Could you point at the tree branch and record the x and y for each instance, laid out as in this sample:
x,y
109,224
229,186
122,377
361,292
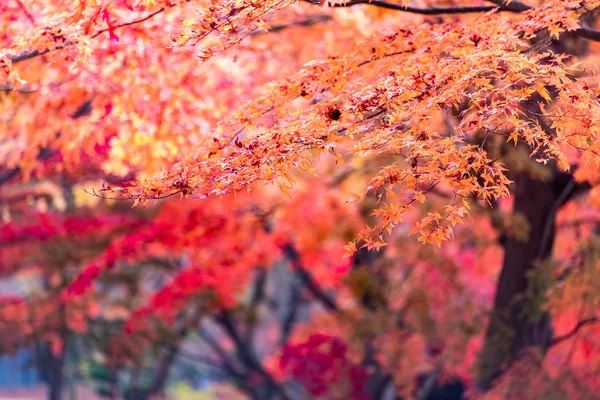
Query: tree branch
x,y
517,6
307,279
217,349
575,223
429,383
246,354
165,363
417,10
574,331
381,389
32,54
588,33
26,12
291,317
137,21
499,5
313,20
258,297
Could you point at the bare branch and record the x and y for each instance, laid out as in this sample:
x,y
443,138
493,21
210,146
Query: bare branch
x,y
247,355
137,21
499,5
26,12
416,10
574,331
313,20
588,33
308,281
287,323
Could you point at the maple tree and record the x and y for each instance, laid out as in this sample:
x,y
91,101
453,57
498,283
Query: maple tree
x,y
349,199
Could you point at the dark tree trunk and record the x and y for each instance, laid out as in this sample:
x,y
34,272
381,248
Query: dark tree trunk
x,y
51,364
517,322
56,377
50,367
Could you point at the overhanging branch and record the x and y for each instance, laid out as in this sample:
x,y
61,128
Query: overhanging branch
x,y
574,331
499,5
517,6
418,10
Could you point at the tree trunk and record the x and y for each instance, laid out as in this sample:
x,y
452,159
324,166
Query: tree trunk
x,y
517,321
56,377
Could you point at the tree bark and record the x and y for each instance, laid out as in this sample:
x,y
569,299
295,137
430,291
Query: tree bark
x,y
56,377
517,322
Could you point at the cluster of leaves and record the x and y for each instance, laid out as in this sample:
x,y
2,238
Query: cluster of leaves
x,y
491,79
320,365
